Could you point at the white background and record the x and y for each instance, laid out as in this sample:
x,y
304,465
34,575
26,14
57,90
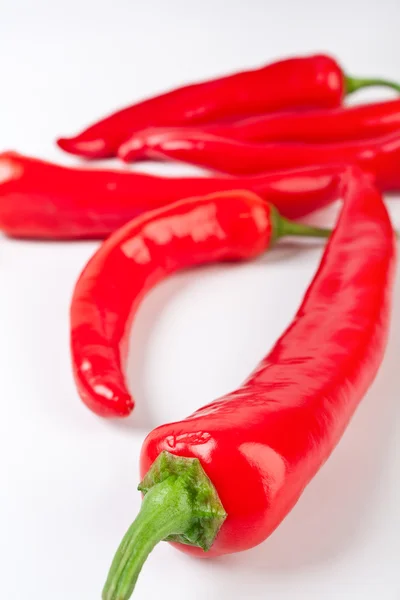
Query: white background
x,y
68,479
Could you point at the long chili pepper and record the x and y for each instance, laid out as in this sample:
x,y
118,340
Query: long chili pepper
x,y
316,126
302,82
224,226
46,201
379,156
223,479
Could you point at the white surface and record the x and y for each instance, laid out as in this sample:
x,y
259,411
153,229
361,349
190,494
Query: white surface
x,y
69,478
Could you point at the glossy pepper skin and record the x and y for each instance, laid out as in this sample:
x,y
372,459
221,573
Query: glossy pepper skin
x,y
225,477
224,226
302,82
278,429
322,126
379,156
41,200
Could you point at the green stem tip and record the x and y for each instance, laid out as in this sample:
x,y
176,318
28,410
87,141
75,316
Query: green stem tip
x,y
352,84
180,504
282,227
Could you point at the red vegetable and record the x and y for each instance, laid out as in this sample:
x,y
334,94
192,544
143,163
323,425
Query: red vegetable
x,y
315,126
304,82
224,478
224,226
47,201
379,156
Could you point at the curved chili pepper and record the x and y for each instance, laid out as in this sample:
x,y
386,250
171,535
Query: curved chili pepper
x,y
379,156
361,122
303,82
224,478
46,201
224,226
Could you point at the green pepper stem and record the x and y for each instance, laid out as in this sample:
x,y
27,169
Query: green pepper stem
x,y
165,511
300,229
282,227
180,504
352,84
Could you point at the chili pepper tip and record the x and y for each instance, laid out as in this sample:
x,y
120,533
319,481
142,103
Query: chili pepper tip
x,y
94,148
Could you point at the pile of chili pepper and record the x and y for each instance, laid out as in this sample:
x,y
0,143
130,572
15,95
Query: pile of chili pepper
x,y
280,426
287,146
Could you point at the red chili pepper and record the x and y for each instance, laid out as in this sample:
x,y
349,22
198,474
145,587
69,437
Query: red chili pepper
x,y
379,156
316,126
224,226
224,478
303,82
46,201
